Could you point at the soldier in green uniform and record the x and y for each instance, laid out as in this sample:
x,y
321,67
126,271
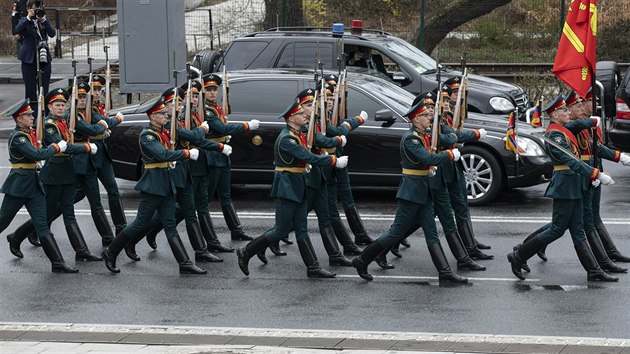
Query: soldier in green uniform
x,y
567,189
414,197
459,198
185,138
291,156
219,179
344,191
23,187
157,191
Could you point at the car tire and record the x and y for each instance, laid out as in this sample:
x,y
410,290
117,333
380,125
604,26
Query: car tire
x,y
484,176
609,75
206,61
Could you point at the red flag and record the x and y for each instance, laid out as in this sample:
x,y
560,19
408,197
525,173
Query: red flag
x,y
575,59
537,115
510,135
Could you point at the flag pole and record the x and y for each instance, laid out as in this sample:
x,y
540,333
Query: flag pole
x,y
594,129
516,156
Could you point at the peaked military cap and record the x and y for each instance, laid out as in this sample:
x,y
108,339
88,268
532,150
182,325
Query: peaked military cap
x,y
195,87
21,108
57,95
82,88
306,96
331,79
329,87
169,94
292,109
447,91
427,97
555,104
416,109
454,82
154,107
211,80
571,98
98,81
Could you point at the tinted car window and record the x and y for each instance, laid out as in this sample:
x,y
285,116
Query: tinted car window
x,y
261,96
358,101
304,55
243,53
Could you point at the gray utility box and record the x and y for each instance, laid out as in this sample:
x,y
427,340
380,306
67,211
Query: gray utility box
x,y
149,32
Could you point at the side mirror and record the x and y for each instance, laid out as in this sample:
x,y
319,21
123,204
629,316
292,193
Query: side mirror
x,y
384,115
399,76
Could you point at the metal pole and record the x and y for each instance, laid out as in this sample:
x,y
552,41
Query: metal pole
x,y
562,11
211,33
421,29
58,35
283,10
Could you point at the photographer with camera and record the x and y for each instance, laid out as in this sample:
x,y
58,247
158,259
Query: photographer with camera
x,y
34,30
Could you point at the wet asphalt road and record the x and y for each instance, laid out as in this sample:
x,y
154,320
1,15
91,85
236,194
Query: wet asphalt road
x,y
556,300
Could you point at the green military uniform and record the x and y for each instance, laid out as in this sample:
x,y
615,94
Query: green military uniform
x,y
157,193
23,187
414,200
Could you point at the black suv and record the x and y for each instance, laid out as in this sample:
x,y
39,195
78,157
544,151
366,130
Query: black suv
x,y
619,133
386,56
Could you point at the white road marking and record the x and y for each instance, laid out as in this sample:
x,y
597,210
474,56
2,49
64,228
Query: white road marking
x,y
410,277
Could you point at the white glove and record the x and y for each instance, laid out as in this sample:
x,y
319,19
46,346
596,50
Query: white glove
x,y
596,119
227,150
342,162
205,126
93,148
194,154
344,140
596,183
308,168
482,133
254,124
363,115
62,145
107,134
624,159
605,179
120,116
456,154
172,164
433,171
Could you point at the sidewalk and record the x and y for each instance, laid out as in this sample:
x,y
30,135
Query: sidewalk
x,y
87,338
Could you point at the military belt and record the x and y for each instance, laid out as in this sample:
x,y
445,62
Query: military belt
x,y
291,169
61,154
98,137
586,157
330,150
561,168
221,139
24,165
408,171
156,165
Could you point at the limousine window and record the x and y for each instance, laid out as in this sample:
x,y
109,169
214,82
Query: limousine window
x,y
261,96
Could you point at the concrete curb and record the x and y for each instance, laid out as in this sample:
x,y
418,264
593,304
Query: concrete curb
x,y
315,339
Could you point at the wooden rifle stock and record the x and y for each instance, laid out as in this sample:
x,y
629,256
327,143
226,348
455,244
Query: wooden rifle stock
x,y
108,95
174,119
39,126
335,108
310,137
187,108
323,120
88,102
225,99
457,114
73,112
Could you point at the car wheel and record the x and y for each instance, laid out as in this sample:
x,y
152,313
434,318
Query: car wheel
x,y
484,177
609,75
206,60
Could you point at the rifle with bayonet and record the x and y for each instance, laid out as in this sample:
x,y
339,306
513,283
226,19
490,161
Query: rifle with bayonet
x,y
39,125
335,109
174,119
323,120
108,83
88,101
343,99
187,99
225,99
310,135
73,112
435,128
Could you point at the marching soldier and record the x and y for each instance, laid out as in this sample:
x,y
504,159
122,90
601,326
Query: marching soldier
x,y
157,191
23,187
567,189
291,156
183,182
219,179
414,197
459,199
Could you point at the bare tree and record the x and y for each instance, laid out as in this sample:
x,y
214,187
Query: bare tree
x,y
291,13
454,14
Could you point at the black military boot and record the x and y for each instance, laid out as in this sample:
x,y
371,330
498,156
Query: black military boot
x,y
335,258
405,243
234,224
78,244
21,233
541,252
381,260
609,245
185,265
33,240
130,249
469,242
118,214
313,269
459,251
593,271
210,235
344,238
395,250
102,225
151,235
113,250
445,274
287,240
52,251
244,254
368,255
274,247
480,245
522,254
356,225
600,254
199,244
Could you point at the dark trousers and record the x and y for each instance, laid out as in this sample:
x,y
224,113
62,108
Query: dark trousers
x,y
87,186
444,210
317,199
35,206
60,200
344,191
458,194
219,181
29,75
107,177
150,204
407,216
185,204
290,216
567,214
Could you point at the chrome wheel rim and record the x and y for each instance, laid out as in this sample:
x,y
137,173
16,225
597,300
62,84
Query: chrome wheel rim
x,y
478,174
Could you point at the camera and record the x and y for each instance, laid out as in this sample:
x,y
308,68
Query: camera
x,y
43,52
39,9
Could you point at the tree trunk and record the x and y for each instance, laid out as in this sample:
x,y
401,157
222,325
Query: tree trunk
x,y
291,15
453,15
